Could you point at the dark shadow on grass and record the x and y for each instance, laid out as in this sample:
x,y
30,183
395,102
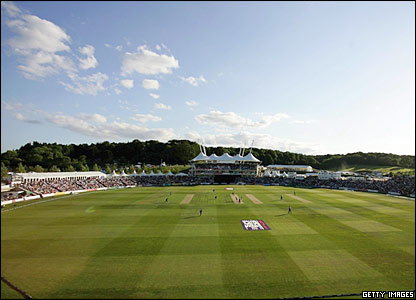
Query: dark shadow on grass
x,y
191,217
281,215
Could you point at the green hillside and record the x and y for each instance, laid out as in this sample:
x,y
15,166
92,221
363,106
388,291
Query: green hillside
x,y
386,170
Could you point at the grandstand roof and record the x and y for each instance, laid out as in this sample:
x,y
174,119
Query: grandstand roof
x,y
200,156
225,158
250,157
289,166
181,174
49,175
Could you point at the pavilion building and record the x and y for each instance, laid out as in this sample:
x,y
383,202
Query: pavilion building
x,y
225,168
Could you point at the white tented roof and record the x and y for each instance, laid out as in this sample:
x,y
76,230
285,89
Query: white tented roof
x,y
114,174
200,156
226,158
275,173
293,167
250,157
134,173
181,174
213,156
170,173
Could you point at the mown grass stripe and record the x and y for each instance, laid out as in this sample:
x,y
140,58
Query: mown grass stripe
x,y
131,233
298,198
254,199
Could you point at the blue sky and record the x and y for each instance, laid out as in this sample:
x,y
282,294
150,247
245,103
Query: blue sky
x,y
305,77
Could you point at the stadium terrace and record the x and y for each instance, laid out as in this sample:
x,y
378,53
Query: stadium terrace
x,y
225,168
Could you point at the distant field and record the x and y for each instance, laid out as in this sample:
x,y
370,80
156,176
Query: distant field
x,y
384,169
133,244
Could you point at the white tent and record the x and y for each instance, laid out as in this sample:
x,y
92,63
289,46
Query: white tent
x,y
181,174
114,174
250,157
238,157
123,173
213,156
151,173
134,173
170,173
143,173
200,156
226,158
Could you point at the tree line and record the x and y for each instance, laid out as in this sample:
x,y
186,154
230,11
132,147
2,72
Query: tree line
x,y
53,157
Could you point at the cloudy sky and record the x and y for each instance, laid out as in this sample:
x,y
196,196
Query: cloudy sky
x,y
306,77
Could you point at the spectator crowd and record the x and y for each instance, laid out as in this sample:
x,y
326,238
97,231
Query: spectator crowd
x,y
404,185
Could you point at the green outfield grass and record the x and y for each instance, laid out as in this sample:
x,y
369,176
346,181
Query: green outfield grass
x,y
132,244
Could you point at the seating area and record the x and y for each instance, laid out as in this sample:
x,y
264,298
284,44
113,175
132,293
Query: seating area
x,y
403,185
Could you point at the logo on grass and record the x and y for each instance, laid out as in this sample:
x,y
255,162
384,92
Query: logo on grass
x,y
254,225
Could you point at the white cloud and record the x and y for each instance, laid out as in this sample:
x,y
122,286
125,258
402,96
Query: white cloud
x,y
118,48
233,120
94,117
158,48
10,8
127,83
265,141
150,84
114,130
154,96
20,117
300,122
147,62
191,103
89,85
164,47
12,106
117,91
90,61
41,64
145,118
193,80
37,42
162,106
38,34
